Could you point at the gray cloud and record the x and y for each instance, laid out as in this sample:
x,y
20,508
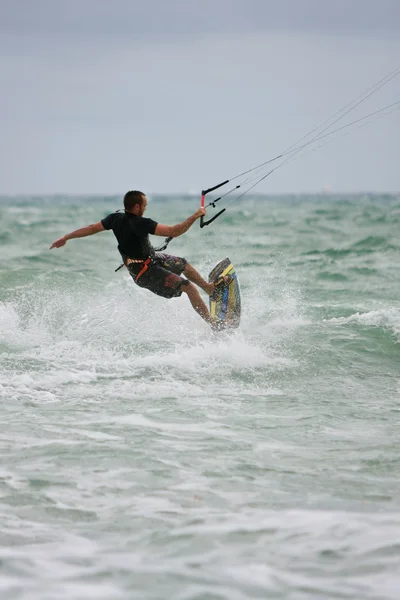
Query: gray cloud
x,y
166,18
173,95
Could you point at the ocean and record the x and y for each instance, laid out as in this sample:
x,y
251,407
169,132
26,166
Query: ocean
x,y
144,458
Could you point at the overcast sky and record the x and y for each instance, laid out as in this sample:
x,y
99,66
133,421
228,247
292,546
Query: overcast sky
x,y
175,95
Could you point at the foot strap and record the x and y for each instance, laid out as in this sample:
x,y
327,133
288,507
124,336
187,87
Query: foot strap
x,y
223,281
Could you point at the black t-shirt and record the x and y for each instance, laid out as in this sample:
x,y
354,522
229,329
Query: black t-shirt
x,y
132,233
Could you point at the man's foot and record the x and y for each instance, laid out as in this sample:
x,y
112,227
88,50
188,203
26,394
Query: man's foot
x,y
220,284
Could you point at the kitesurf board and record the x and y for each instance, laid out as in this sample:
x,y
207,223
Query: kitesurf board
x,y
225,302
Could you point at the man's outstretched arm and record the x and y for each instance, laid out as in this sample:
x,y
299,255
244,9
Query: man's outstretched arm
x,y
177,230
78,233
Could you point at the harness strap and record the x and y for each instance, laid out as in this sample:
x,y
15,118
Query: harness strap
x,y
144,268
134,260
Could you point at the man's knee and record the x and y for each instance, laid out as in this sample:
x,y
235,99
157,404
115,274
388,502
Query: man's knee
x,y
187,287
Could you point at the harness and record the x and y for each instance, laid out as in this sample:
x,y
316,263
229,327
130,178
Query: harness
x,y
129,261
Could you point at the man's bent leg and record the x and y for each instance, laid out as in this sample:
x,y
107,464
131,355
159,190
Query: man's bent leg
x,y
196,301
196,278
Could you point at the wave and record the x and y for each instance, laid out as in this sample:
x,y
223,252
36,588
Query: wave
x,y
69,332
387,319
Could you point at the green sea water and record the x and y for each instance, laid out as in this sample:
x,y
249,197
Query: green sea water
x,y
142,457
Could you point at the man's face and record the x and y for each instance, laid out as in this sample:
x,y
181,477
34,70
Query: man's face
x,y
139,209
143,206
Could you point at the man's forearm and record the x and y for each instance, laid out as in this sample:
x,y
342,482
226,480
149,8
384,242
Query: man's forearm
x,y
79,233
181,228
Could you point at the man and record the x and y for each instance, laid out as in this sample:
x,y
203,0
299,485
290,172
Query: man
x,y
157,272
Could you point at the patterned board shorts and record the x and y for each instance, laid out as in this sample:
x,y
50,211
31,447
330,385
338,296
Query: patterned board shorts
x,y
162,276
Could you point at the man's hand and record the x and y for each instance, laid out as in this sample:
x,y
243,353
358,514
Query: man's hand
x,y
58,243
200,212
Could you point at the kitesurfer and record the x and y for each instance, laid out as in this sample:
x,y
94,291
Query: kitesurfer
x,y
158,272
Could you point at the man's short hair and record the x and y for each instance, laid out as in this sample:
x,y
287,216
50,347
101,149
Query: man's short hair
x,y
132,198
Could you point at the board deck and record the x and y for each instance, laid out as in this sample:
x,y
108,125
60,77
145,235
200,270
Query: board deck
x,y
225,303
